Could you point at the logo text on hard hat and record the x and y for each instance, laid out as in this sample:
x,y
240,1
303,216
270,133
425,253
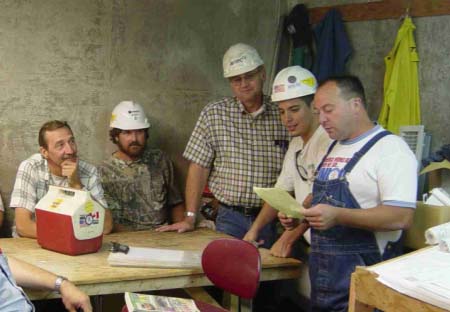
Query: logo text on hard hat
x,y
113,117
239,60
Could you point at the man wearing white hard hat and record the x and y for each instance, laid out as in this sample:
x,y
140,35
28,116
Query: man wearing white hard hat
x,y
238,143
364,194
56,164
293,90
138,181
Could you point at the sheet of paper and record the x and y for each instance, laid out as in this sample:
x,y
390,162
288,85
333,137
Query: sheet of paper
x,y
424,275
280,200
445,164
155,257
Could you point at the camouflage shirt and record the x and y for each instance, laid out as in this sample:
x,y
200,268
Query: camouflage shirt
x,y
140,193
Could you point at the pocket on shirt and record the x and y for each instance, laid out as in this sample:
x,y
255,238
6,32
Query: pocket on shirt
x,y
157,187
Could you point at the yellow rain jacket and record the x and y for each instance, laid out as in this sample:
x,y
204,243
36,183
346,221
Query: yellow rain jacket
x,y
401,105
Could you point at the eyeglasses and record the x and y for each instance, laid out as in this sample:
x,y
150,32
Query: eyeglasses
x,y
250,76
308,173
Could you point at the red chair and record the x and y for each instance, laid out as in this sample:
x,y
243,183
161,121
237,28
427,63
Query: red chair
x,y
233,265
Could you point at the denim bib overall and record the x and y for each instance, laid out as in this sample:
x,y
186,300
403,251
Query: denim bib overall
x,y
335,252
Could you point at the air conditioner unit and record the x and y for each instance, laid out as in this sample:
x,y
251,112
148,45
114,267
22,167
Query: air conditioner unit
x,y
420,144
415,138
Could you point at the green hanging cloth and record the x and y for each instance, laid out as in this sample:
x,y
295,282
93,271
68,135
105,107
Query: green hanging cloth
x,y
401,104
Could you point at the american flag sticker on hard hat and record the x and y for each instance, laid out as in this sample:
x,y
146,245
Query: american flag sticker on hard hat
x,y
278,88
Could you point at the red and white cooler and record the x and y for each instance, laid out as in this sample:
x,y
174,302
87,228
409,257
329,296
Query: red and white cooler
x,y
69,221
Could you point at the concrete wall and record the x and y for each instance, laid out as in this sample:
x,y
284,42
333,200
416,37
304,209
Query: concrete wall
x,y
371,42
75,60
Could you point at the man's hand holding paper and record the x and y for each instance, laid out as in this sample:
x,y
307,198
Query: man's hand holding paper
x,y
281,200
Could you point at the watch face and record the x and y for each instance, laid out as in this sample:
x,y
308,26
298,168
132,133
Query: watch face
x,y
58,282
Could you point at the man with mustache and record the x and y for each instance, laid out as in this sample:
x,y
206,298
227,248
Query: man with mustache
x,y
56,164
237,143
364,194
138,181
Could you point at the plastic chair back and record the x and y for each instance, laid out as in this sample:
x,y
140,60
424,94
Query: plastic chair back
x,y
233,265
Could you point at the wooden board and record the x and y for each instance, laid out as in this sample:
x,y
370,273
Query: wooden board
x,y
93,274
387,9
367,293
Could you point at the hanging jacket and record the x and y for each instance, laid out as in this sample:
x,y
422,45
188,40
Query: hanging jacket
x,y
401,104
333,46
298,27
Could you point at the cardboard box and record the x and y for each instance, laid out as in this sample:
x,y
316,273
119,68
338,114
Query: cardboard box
x,y
426,216
69,221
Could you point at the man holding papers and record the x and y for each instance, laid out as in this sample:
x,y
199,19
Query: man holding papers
x,y
293,89
364,194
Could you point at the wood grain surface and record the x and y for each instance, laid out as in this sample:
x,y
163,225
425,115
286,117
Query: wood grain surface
x,y
92,273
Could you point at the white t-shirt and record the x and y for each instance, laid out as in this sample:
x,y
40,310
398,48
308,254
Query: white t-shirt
x,y
386,174
309,157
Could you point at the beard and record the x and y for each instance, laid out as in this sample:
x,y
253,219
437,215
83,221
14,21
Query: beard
x,y
134,149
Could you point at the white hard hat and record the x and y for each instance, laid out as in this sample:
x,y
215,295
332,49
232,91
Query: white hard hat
x,y
239,59
128,115
293,82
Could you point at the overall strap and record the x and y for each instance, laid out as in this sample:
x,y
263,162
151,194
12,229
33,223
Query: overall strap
x,y
359,154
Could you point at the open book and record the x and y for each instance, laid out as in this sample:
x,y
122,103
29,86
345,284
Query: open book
x,y
149,303
280,200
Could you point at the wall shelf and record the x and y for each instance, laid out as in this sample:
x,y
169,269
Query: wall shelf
x,y
384,9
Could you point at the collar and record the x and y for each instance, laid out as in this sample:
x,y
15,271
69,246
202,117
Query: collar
x,y
263,107
128,163
297,142
366,134
46,169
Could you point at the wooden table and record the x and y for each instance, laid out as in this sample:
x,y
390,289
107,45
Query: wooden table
x,y
367,293
94,276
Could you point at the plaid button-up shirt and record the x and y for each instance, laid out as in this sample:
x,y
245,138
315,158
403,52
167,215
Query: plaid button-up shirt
x,y
241,150
33,179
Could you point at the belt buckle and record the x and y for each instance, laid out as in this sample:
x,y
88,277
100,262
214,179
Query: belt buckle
x,y
248,212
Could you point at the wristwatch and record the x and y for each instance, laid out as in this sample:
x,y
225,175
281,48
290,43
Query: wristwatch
x,y
58,282
190,214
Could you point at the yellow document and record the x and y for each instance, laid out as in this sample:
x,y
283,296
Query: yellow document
x,y
445,164
280,200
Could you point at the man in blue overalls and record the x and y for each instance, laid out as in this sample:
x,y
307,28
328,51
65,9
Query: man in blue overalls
x,y
364,194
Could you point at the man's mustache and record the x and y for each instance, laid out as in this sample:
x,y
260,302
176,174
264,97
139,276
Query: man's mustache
x,y
71,157
135,144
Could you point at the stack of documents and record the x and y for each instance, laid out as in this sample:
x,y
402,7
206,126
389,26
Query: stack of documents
x,y
424,275
154,257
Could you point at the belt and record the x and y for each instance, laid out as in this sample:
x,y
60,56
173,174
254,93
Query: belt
x,y
246,211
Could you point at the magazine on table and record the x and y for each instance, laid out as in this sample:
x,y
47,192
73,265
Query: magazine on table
x,y
150,303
